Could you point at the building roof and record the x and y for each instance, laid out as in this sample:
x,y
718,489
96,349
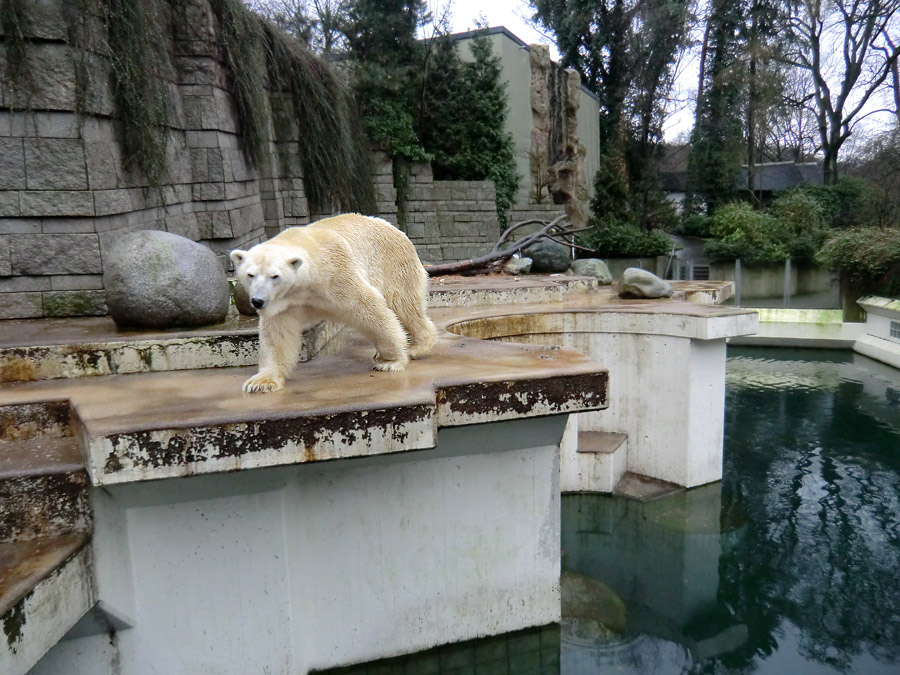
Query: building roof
x,y
767,177
775,176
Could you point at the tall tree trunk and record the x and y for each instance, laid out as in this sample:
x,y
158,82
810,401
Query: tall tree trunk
x,y
751,127
704,50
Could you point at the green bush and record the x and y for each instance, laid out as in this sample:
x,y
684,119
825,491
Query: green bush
x,y
801,222
694,225
793,227
844,204
739,231
612,238
866,257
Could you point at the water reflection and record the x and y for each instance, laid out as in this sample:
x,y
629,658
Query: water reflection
x,y
661,558
788,565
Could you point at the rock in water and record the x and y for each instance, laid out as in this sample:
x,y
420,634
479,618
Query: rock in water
x,y
592,267
548,257
157,279
638,283
517,266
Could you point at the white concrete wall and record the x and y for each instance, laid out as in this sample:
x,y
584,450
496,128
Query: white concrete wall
x,y
281,570
666,384
668,395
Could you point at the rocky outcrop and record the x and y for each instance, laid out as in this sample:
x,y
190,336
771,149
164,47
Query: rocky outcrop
x,y
557,155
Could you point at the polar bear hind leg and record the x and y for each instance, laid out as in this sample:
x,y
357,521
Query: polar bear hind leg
x,y
378,323
420,329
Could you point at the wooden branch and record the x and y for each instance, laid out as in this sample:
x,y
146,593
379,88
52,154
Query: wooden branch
x,y
496,255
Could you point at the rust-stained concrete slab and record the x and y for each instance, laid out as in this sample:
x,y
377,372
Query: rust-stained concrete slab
x,y
156,425
46,586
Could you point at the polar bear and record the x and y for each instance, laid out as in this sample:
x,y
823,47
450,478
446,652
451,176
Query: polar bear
x,y
351,269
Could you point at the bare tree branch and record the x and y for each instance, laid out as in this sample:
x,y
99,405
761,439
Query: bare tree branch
x,y
549,230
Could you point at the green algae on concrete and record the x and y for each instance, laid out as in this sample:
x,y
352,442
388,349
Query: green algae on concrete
x,y
781,315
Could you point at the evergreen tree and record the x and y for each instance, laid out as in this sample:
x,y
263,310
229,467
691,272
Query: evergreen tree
x,y
716,141
381,38
463,118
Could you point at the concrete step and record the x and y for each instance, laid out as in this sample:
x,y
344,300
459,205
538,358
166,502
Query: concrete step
x,y
45,588
45,526
43,489
601,458
643,488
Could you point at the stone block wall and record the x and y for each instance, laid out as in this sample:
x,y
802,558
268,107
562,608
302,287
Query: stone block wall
x,y
66,189
449,220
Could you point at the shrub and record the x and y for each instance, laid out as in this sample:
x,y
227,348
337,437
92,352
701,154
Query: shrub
x,y
694,225
741,232
793,228
866,257
800,223
610,238
844,204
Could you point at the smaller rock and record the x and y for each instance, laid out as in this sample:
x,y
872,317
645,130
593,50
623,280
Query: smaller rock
x,y
548,257
638,283
517,266
592,267
242,299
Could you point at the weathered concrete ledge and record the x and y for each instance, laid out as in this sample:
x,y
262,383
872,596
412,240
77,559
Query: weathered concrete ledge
x,y
162,425
46,349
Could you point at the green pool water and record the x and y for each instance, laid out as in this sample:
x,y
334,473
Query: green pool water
x,y
790,565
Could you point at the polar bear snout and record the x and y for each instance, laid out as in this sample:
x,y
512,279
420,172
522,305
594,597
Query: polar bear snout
x,y
259,303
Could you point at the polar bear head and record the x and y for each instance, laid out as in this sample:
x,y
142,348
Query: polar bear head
x,y
268,273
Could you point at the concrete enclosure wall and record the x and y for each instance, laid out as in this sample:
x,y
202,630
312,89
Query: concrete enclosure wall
x,y
768,281
295,569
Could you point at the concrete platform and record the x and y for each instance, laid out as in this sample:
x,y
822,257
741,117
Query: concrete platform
x,y
161,425
446,476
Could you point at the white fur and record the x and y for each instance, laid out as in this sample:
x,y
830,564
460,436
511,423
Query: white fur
x,y
355,270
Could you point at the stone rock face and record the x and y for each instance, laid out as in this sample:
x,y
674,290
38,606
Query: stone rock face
x,y
638,283
548,256
592,267
157,279
556,155
518,266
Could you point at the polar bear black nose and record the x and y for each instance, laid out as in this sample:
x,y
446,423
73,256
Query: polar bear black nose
x,y
257,302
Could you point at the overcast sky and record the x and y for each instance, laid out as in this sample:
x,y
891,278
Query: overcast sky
x,y
509,13
512,13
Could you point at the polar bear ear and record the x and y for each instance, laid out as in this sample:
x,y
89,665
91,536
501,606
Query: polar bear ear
x,y
295,263
237,256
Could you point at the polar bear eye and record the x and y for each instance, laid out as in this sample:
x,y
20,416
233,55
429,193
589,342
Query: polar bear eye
x,y
274,276
249,276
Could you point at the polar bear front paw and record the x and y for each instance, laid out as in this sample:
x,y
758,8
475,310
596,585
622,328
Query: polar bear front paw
x,y
389,366
263,383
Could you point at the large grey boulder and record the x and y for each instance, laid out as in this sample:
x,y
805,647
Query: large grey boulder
x,y
157,279
548,257
638,283
517,266
592,267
